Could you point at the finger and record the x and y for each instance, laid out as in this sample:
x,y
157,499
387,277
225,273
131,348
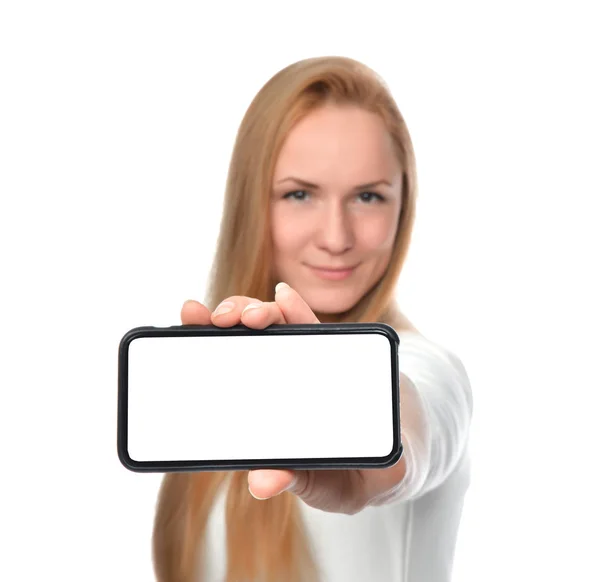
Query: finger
x,y
228,312
266,483
194,313
261,315
334,490
293,307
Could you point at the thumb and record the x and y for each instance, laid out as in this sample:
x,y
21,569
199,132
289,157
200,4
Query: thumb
x,y
335,490
266,483
338,491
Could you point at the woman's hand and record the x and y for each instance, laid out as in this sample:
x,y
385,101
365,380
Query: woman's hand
x,y
335,490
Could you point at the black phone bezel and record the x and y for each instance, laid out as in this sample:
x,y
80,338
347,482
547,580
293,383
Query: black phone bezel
x,y
248,464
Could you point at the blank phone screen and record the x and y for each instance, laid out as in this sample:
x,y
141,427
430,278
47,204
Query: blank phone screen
x,y
234,398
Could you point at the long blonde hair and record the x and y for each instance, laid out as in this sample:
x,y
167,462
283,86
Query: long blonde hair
x,y
266,540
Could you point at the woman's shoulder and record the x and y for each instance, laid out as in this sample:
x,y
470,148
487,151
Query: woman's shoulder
x,y
412,340
421,357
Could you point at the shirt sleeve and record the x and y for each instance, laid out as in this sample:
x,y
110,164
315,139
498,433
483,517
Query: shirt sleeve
x,y
435,416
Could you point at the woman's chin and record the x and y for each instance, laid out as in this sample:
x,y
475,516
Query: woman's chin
x,y
330,302
331,308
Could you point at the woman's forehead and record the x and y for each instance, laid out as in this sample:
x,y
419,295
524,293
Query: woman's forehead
x,y
335,124
323,149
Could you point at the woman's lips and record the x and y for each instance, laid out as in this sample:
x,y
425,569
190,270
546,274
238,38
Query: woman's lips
x,y
332,274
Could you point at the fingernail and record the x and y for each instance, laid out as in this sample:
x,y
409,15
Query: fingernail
x,y
224,307
256,497
251,306
280,286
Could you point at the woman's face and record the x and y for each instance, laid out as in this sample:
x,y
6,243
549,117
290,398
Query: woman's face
x,y
336,200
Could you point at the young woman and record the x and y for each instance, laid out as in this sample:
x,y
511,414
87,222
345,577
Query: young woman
x,y
320,198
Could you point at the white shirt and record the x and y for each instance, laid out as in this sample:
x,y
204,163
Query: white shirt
x,y
411,535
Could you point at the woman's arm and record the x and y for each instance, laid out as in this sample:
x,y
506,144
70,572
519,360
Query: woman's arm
x,y
435,403
436,409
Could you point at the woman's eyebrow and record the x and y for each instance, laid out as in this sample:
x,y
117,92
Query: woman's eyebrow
x,y
306,184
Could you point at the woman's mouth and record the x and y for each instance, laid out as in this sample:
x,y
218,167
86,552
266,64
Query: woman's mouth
x,y
332,274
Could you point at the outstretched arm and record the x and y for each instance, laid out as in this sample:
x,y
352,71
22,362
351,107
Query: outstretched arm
x,y
435,414
436,409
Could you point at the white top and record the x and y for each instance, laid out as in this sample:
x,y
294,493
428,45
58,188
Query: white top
x,y
411,535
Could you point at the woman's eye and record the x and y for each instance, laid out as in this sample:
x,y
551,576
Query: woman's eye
x,y
297,195
367,197
370,196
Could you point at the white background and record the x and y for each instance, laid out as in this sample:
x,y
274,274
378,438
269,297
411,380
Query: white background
x,y
117,120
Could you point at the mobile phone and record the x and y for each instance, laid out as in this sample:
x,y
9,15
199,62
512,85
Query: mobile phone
x,y
309,396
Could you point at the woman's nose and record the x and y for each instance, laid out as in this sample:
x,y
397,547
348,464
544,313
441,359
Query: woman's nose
x,y
335,233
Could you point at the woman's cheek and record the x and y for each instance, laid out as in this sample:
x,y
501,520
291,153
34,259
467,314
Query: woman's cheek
x,y
290,230
377,232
